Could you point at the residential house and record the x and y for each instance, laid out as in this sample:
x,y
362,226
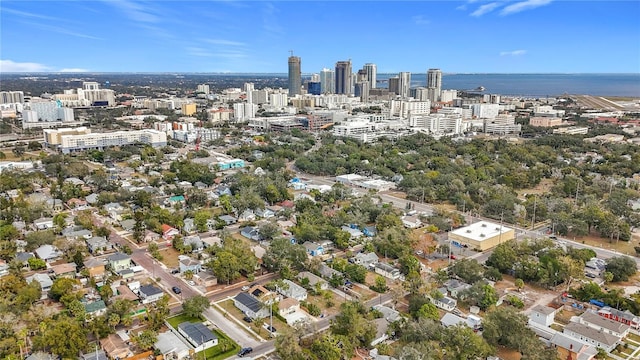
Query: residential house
x,y
149,294
98,245
572,348
40,355
265,213
263,294
288,306
353,231
602,324
188,264
45,283
292,290
119,262
95,267
297,184
168,232
78,204
194,242
625,317
48,253
327,272
76,233
200,185
251,232
170,346
189,226
542,315
591,336
125,293
388,313
206,278
387,271
67,270
92,198
176,200
445,303
95,355
128,224
455,287
228,219
23,258
150,236
366,259
250,306
55,205
115,347
450,319
314,280
313,249
370,231
382,327
43,223
247,215
223,190
198,335
95,308
114,210
411,222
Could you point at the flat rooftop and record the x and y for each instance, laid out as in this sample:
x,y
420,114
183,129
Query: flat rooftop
x,y
481,230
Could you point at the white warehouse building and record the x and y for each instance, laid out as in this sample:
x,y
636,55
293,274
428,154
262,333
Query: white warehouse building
x,y
100,141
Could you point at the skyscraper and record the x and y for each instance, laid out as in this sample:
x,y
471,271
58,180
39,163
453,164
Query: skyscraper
x,y
372,74
434,83
404,84
327,81
295,75
394,85
343,77
362,90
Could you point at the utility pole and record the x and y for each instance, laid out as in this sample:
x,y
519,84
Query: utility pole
x,y
533,220
501,219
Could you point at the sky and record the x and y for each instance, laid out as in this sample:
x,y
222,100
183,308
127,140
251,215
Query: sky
x,y
474,36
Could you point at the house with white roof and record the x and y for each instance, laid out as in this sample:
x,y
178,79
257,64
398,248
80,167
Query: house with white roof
x,y
482,235
292,290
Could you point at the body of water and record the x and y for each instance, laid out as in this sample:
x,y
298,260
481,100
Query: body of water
x,y
537,85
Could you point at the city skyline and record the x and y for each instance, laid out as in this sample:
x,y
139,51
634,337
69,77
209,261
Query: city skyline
x,y
527,36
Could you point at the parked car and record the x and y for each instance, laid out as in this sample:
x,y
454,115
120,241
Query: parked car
x,y
245,288
191,282
247,319
245,351
452,257
175,271
269,328
176,290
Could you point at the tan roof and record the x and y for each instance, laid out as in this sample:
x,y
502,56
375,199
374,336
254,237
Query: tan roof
x,y
64,268
126,293
288,303
114,346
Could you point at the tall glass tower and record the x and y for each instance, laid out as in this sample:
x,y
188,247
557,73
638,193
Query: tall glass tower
x,y
372,73
343,77
295,75
434,83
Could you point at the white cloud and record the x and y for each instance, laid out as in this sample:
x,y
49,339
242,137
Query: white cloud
x,y
523,5
224,42
73,70
136,11
12,66
420,20
513,53
29,14
485,9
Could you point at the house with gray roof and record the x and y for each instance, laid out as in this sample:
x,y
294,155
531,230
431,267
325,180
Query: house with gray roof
x,y
591,336
195,242
250,305
171,346
188,226
251,232
43,223
450,319
542,315
445,303
366,259
95,355
292,290
76,232
327,272
45,283
119,262
387,271
48,253
313,280
128,224
149,294
577,349
455,287
602,324
198,335
188,264
228,219
98,245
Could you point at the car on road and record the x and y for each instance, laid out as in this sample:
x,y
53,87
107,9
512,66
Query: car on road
x,y
245,288
553,237
176,290
452,257
175,271
590,275
245,351
191,282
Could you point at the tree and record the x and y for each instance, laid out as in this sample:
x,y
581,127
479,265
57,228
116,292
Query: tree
x,y
61,287
113,320
481,294
380,285
36,264
63,336
288,346
518,284
284,254
328,347
353,323
195,306
608,276
468,270
145,339
461,343
226,266
622,267
428,311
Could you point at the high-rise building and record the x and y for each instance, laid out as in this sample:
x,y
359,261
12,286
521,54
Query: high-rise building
x,y
434,81
295,75
314,87
343,77
327,81
248,89
372,73
315,78
404,83
394,85
203,88
11,97
362,90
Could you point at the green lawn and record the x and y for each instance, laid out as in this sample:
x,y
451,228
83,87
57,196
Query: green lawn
x,y
179,319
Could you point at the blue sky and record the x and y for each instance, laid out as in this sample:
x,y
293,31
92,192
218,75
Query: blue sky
x,y
517,36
